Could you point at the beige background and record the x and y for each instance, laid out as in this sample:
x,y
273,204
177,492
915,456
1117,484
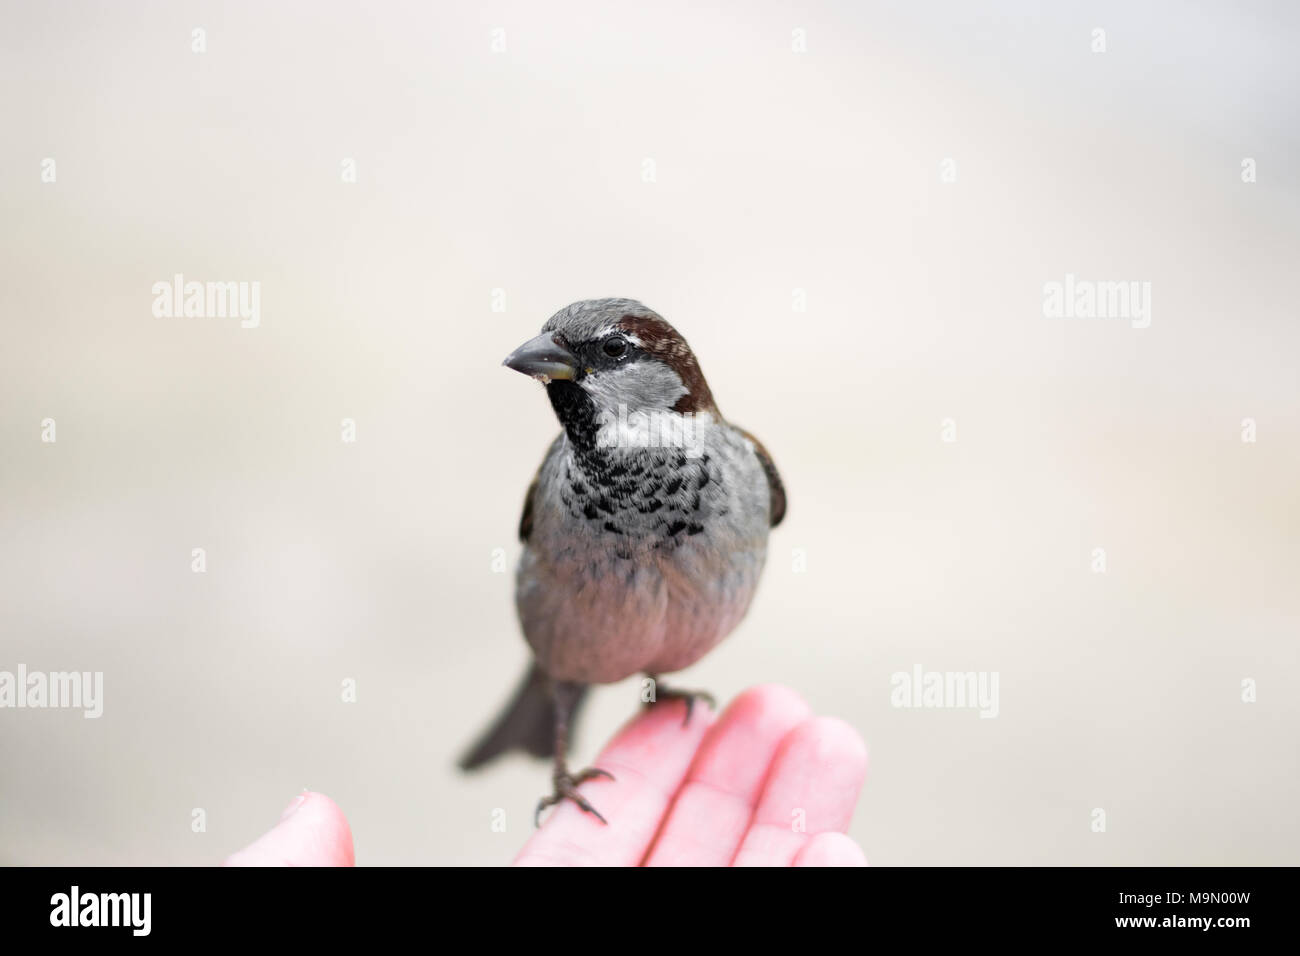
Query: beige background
x,y
775,170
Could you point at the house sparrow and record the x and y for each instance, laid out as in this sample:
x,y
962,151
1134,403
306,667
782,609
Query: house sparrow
x,y
644,531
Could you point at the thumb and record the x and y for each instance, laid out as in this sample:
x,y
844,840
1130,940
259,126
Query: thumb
x,y
312,832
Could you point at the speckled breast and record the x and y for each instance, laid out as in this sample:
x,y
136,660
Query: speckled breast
x,y
641,560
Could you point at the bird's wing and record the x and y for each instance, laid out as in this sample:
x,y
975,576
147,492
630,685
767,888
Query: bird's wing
x,y
775,487
526,519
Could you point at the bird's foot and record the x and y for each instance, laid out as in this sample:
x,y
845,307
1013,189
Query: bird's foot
x,y
690,696
566,788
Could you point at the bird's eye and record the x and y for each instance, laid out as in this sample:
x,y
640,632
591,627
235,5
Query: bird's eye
x,y
615,346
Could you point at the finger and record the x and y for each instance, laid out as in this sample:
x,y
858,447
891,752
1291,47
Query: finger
x,y
831,849
714,807
812,788
312,832
649,759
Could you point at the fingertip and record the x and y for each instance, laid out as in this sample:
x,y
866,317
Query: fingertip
x,y
329,823
831,849
832,739
769,702
312,831
817,774
740,747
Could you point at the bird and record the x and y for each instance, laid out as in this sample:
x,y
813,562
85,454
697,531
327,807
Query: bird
x,y
644,531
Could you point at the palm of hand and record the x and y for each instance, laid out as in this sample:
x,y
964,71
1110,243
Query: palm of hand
x,y
765,784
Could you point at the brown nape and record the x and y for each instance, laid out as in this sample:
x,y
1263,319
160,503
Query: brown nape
x,y
665,343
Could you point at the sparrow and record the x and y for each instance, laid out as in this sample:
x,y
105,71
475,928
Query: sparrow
x,y
644,531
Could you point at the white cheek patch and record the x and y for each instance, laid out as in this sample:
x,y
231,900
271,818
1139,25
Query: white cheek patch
x,y
639,386
635,409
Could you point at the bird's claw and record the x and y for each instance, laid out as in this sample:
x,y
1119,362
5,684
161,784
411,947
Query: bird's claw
x,y
690,696
566,788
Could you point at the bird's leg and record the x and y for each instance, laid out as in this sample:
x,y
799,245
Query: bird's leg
x,y
565,695
662,692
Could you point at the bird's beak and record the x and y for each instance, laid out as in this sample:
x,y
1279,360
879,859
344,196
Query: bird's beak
x,y
543,358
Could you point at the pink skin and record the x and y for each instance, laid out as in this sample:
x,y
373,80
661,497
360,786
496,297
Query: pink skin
x,y
765,784
312,832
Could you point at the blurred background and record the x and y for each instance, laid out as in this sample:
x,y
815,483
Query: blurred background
x,y
851,211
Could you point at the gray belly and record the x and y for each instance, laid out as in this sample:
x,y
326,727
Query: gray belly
x,y
634,588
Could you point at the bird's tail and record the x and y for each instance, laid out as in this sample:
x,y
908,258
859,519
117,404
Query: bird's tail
x,y
527,723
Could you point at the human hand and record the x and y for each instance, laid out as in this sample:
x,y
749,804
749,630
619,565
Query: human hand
x,y
720,791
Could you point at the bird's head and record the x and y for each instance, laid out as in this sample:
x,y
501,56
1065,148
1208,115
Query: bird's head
x,y
602,357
